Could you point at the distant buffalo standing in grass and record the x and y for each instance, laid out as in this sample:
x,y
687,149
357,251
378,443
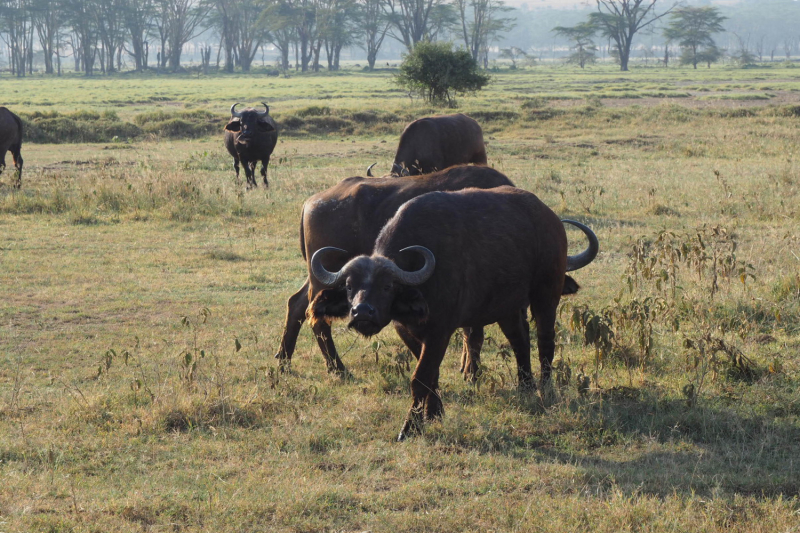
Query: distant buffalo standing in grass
x,y
250,137
11,140
436,143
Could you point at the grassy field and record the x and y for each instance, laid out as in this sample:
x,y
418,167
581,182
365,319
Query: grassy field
x,y
142,295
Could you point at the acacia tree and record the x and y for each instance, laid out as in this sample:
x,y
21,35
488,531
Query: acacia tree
x,y
242,28
513,53
178,22
437,72
110,30
621,20
279,20
481,23
411,20
581,36
47,16
137,18
16,25
373,26
692,28
84,34
337,19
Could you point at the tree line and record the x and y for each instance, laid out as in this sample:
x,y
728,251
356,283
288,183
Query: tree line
x,y
100,34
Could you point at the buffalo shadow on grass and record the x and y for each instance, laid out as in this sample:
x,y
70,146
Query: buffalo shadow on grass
x,y
644,442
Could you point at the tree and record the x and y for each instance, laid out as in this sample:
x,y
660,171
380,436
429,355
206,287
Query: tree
x,y
336,21
16,24
581,36
84,34
279,19
178,22
108,16
373,25
437,72
513,53
621,20
47,16
411,19
692,28
481,23
137,16
242,29
743,57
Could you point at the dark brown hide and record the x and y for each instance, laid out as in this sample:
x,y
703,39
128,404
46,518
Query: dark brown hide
x,y
435,143
496,253
349,216
11,140
249,139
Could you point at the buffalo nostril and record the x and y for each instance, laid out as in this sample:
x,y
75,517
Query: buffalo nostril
x,y
363,311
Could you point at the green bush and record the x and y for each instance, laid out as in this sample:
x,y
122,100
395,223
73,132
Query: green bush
x,y
437,72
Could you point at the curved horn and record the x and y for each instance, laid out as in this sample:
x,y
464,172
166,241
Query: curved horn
x,y
329,279
266,110
233,111
418,277
574,262
369,170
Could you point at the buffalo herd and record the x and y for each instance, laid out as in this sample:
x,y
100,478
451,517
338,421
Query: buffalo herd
x,y
435,246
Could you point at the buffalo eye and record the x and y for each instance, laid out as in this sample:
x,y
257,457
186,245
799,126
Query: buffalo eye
x,y
387,287
349,288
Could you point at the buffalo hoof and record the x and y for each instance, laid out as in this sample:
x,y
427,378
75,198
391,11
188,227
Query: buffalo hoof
x,y
412,425
284,363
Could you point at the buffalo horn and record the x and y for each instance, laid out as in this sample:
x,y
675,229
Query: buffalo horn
x,y
418,277
574,262
233,111
266,110
369,170
329,279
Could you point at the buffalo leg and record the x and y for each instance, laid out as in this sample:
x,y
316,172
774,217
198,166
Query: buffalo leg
x,y
322,332
411,342
471,353
295,316
426,403
545,316
264,165
18,163
249,172
516,330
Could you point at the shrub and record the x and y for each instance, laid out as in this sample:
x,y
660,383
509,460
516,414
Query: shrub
x,y
437,73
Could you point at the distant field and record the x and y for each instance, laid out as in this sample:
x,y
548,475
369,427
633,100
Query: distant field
x,y
142,296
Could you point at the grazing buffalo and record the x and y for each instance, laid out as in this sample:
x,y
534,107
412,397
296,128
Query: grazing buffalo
x,y
250,137
435,143
11,140
349,216
456,259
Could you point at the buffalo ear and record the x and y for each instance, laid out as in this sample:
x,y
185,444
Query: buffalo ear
x,y
233,125
409,306
327,305
263,125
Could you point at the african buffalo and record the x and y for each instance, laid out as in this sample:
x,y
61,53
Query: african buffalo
x,y
435,143
11,139
456,259
349,216
250,137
